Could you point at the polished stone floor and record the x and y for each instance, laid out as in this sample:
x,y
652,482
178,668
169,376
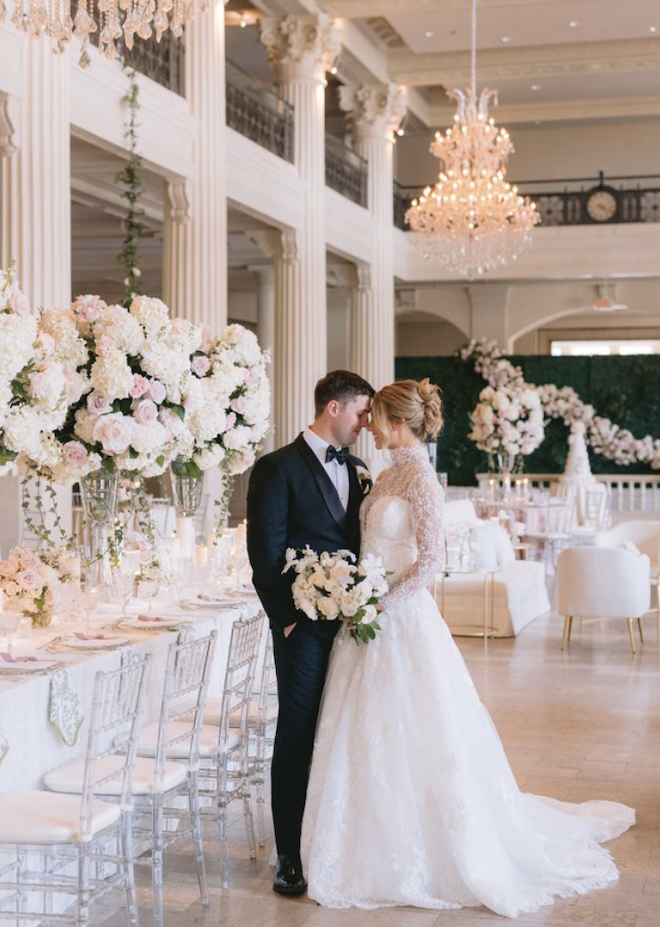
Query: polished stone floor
x,y
576,725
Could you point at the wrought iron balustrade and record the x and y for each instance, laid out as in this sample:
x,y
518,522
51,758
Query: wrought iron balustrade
x,y
162,62
259,114
345,171
564,202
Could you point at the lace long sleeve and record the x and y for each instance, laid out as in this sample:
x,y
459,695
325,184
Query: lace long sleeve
x,y
424,496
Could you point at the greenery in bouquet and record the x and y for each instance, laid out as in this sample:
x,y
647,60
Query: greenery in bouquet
x,y
333,586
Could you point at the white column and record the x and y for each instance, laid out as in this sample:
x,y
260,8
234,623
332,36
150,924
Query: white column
x,y
489,313
35,209
302,49
195,283
265,274
375,113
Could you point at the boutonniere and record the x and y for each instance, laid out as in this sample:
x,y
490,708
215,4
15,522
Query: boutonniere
x,y
365,479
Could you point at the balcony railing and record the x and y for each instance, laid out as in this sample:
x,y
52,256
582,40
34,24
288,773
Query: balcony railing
x,y
259,114
564,202
345,171
163,62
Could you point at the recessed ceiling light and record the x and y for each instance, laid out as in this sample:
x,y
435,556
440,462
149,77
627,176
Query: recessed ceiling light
x,y
536,86
505,39
429,34
653,29
573,23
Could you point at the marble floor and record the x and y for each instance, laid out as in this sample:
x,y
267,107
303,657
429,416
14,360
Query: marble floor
x,y
576,725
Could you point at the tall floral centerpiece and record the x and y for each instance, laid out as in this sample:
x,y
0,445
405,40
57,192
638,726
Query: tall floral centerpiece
x,y
227,406
508,424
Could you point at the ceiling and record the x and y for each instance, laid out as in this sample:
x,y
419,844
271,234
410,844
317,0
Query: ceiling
x,y
574,58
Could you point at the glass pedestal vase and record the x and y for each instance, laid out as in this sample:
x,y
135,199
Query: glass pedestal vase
x,y
187,497
99,499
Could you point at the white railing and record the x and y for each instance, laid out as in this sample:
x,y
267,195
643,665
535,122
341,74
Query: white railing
x,y
633,493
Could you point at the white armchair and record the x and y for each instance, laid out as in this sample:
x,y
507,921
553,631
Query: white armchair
x,y
518,592
645,535
599,582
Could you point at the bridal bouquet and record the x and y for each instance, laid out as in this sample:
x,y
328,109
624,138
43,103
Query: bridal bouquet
x,y
331,586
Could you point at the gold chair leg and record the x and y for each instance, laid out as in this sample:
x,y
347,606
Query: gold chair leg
x,y
632,635
641,632
568,622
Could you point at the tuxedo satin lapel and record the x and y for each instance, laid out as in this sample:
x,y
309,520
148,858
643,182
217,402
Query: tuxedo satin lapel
x,y
323,481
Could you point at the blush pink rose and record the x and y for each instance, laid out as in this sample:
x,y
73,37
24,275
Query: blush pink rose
x,y
157,391
16,300
98,403
10,588
200,365
238,405
146,412
114,433
29,580
88,308
140,386
75,452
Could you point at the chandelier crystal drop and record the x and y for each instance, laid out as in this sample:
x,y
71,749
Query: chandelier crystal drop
x,y
472,220
114,20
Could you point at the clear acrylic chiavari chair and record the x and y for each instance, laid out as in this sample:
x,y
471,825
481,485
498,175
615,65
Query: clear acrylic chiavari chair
x,y
56,842
225,775
166,767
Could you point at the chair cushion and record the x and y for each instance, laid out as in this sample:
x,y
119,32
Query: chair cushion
x,y
49,818
483,547
69,778
208,741
214,707
502,542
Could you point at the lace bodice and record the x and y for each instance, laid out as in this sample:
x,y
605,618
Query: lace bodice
x,y
401,522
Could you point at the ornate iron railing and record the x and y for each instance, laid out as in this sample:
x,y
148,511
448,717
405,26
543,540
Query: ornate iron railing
x,y
163,62
345,171
259,114
565,202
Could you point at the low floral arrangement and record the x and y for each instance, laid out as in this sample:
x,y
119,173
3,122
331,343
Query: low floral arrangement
x,y
328,587
28,584
507,421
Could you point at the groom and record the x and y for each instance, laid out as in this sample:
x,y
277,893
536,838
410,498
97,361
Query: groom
x,y
308,492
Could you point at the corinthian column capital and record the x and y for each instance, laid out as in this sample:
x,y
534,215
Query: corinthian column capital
x,y
301,46
374,110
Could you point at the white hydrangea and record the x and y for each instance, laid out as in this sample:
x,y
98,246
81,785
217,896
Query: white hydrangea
x,y
152,314
117,328
111,374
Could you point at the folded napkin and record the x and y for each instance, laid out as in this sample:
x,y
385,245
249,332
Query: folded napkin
x,y
8,658
150,618
65,713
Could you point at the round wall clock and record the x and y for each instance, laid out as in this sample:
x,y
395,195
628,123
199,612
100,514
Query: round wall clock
x,y
602,204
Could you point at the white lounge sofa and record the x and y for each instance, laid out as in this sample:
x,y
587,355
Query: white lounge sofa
x,y
518,586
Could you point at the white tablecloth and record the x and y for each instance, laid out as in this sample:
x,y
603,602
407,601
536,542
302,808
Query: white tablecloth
x,y
35,746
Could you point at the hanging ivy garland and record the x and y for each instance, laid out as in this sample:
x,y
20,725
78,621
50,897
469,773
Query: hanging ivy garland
x,y
132,186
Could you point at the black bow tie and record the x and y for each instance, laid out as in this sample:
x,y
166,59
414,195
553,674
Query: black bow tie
x,y
340,455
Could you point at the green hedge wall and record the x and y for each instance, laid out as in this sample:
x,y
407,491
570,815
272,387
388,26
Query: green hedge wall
x,y
623,389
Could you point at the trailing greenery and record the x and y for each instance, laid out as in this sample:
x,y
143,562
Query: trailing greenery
x,y
624,389
132,186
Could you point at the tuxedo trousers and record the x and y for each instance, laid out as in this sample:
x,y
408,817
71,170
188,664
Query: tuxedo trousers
x,y
301,662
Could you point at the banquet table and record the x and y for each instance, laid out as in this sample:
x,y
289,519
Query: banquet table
x,y
35,746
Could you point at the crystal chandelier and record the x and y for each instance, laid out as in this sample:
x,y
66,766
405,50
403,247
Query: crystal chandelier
x,y
114,20
472,220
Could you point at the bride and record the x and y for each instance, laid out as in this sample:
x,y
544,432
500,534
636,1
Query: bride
x,y
411,799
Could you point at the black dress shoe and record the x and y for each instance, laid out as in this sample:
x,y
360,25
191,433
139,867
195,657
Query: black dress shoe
x,y
288,875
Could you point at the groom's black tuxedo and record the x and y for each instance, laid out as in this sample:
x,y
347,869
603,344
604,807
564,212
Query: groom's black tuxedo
x,y
293,502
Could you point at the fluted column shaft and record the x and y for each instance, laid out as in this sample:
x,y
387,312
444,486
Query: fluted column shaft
x,y
301,49
195,266
266,328
35,212
374,114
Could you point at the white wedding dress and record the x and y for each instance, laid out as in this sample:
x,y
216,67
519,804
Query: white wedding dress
x,y
411,799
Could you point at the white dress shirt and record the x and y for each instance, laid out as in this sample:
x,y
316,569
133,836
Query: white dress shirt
x,y
337,472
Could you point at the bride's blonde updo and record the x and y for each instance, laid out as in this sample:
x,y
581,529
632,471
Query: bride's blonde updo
x,y
417,403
